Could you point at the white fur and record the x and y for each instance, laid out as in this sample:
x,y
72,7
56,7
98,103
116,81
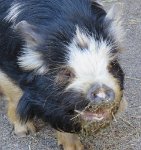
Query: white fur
x,y
14,11
91,64
32,60
101,95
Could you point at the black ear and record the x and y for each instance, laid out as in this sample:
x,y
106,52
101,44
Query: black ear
x,y
29,32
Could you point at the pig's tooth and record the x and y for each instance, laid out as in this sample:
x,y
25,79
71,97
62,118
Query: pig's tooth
x,y
96,118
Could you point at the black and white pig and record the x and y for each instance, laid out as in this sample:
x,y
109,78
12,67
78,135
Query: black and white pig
x,y
59,62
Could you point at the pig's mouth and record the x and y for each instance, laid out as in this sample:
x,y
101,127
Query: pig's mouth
x,y
97,116
94,118
93,121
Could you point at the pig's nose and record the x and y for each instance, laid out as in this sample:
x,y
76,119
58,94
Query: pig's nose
x,y
100,94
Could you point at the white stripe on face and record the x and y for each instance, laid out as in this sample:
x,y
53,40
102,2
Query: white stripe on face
x,y
91,63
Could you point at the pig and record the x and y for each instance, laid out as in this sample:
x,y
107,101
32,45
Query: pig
x,y
59,63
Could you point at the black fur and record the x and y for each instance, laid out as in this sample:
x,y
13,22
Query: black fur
x,y
56,22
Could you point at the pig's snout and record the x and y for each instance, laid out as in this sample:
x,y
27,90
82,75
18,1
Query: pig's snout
x,y
100,94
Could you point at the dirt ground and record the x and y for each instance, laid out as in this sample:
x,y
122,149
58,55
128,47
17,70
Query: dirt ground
x,y
125,132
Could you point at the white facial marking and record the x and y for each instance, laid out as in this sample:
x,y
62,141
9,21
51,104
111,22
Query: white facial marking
x,y
81,38
32,60
101,95
14,11
91,64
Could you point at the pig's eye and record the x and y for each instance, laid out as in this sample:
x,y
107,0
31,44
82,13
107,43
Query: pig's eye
x,y
68,73
110,67
65,75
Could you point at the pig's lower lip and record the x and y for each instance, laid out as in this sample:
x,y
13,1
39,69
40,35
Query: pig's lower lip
x,y
94,116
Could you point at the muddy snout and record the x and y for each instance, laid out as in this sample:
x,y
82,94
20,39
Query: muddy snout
x,y
100,94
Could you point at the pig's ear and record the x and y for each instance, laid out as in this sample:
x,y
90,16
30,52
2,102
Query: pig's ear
x,y
31,59
116,26
29,33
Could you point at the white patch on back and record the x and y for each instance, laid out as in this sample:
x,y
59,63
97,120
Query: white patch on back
x,y
14,11
91,63
32,60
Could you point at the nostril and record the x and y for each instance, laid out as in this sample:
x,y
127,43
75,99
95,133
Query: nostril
x,y
110,95
94,95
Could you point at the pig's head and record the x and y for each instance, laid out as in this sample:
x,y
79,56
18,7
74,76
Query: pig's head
x,y
78,80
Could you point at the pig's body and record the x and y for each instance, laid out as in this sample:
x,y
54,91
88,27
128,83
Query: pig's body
x,y
53,55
